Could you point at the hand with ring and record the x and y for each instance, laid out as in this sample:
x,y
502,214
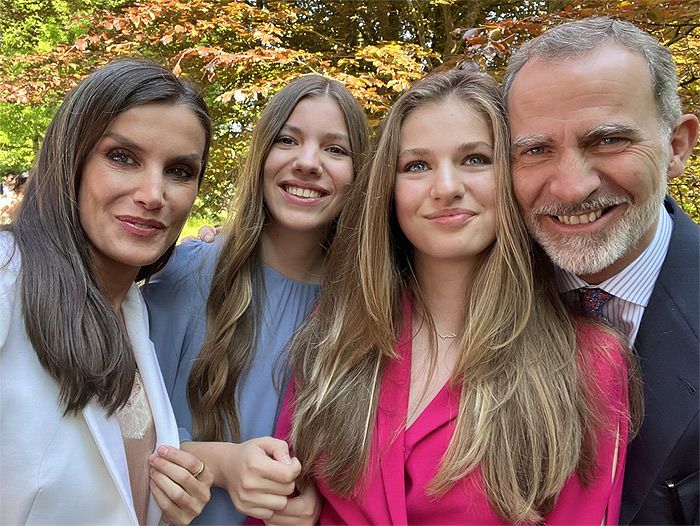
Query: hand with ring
x,y
200,469
180,483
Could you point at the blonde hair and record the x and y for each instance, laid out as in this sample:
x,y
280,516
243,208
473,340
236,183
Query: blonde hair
x,y
525,427
236,288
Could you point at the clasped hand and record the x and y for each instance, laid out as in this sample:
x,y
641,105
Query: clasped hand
x,y
259,476
261,479
180,495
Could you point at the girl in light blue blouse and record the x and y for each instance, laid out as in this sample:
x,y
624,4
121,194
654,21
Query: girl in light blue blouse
x,y
222,313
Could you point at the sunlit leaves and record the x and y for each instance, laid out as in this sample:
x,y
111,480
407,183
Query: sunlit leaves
x,y
242,54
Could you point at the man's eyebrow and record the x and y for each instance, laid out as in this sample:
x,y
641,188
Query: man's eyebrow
x,y
530,141
610,130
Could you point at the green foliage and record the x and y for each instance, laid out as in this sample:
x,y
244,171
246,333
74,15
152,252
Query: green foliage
x,y
242,52
41,25
21,129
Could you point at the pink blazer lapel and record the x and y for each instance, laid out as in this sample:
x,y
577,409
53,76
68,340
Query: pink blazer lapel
x,y
441,411
391,424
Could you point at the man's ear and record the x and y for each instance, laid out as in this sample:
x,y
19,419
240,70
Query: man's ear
x,y
684,137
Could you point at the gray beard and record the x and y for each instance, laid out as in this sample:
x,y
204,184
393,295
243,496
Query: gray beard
x,y
585,254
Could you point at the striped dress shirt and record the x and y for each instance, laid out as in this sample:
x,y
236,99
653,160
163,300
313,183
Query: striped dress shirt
x,y
631,287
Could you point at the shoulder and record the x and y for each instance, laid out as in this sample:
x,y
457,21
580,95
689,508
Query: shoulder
x,y
189,271
9,274
9,253
176,298
678,214
10,264
189,257
684,228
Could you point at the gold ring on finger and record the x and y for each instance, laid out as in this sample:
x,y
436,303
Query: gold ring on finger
x,y
200,470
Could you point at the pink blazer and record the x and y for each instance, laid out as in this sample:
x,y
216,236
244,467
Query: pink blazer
x,y
403,461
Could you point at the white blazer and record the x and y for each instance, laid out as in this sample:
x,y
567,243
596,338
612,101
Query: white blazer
x,y
67,470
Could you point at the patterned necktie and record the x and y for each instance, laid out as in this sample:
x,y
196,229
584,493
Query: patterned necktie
x,y
591,303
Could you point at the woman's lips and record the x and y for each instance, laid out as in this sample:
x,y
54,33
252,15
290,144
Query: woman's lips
x,y
450,217
140,226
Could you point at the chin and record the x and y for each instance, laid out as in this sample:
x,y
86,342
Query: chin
x,y
586,254
128,260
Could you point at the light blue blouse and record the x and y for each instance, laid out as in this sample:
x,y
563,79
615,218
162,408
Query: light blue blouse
x,y
176,299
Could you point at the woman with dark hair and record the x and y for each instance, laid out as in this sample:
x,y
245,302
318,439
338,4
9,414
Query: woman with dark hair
x,y
221,313
82,401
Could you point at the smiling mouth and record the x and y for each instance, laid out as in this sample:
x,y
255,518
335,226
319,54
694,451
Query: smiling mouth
x,y
142,223
304,193
581,219
141,227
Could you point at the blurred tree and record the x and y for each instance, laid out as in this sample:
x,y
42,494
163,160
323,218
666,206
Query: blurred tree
x,y
241,52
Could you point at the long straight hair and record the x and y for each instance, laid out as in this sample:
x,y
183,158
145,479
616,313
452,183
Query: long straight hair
x,y
72,327
236,293
526,428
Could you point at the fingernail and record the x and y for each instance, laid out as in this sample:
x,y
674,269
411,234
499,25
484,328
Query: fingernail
x,y
208,238
163,450
287,459
152,458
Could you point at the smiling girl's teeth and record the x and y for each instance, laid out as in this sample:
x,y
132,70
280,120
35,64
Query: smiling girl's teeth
x,y
302,192
580,219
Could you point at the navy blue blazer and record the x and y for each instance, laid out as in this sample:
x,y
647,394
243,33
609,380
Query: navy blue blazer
x,y
661,474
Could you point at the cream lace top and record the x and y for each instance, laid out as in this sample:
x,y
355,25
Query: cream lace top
x,y
139,435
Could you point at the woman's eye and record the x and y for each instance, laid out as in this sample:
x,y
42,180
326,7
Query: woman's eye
x,y
477,159
284,139
416,166
337,150
121,157
182,172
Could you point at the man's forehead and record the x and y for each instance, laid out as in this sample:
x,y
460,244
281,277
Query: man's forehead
x,y
608,57
582,92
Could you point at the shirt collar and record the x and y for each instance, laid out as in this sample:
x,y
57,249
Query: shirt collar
x,y
636,281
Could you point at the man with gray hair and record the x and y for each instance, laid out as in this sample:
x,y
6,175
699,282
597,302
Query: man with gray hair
x,y
597,130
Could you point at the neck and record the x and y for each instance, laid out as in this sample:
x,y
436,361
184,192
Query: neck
x,y
115,290
296,255
115,283
445,286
